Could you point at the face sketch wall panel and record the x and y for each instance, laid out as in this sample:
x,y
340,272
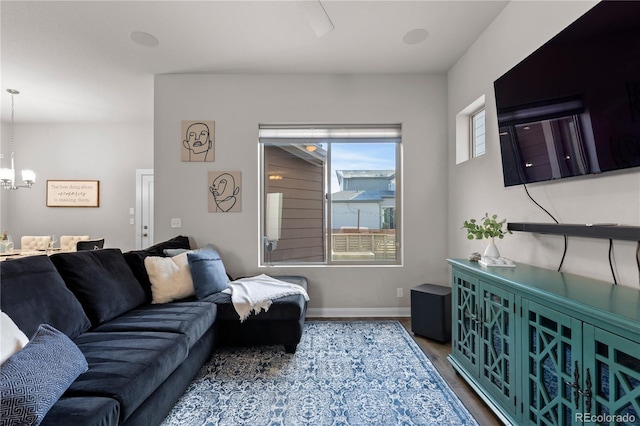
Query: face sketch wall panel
x,y
198,139
225,192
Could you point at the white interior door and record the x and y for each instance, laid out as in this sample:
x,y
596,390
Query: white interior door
x,y
144,208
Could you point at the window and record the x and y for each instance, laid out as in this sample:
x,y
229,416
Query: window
x,y
330,194
470,131
477,133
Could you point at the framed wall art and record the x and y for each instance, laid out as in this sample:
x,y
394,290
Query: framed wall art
x,y
73,193
198,141
225,192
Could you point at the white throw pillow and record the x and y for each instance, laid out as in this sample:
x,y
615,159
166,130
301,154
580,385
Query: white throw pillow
x,y
12,339
170,278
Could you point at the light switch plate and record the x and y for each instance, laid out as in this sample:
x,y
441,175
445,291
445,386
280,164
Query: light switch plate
x,y
176,222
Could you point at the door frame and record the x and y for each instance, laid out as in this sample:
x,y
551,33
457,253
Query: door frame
x,y
138,212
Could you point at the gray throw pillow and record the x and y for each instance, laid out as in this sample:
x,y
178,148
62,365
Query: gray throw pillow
x,y
34,378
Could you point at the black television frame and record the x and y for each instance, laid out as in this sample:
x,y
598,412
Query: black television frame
x,y
572,108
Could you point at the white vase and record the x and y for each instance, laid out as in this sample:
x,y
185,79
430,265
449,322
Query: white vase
x,y
491,250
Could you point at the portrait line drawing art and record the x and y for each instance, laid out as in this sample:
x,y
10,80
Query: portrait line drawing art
x,y
224,192
198,141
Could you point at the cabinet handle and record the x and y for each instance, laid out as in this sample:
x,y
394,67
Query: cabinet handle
x,y
576,385
587,392
475,317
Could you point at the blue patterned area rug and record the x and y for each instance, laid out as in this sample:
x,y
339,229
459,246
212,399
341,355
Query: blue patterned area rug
x,y
343,373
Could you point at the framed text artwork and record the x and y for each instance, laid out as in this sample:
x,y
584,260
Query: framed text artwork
x,y
198,139
73,193
225,192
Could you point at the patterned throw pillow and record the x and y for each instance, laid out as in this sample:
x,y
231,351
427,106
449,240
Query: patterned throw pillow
x,y
33,379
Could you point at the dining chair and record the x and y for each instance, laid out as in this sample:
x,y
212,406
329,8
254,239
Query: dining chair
x,y
90,244
35,242
68,242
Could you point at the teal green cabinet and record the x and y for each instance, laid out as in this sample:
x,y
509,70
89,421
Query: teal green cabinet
x,y
552,366
497,343
484,336
464,331
547,348
614,365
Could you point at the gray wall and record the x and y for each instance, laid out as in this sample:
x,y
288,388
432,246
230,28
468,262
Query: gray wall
x,y
476,186
238,103
109,153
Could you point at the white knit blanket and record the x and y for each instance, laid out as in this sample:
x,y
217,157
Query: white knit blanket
x,y
255,294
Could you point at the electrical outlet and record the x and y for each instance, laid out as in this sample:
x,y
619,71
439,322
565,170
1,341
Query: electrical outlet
x,y
176,222
399,292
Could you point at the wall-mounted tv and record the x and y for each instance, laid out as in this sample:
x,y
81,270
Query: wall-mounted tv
x,y
572,107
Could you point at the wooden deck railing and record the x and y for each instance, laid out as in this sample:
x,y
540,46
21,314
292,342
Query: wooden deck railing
x,y
364,245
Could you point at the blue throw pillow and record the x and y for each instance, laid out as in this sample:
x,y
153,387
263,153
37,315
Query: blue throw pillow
x,y
174,252
207,272
34,378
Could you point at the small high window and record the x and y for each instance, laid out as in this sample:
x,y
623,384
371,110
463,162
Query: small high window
x,y
470,131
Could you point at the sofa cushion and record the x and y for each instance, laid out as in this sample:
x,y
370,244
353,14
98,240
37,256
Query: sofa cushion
x,y
208,273
34,293
170,278
33,379
284,308
190,318
83,411
128,366
102,281
12,339
135,259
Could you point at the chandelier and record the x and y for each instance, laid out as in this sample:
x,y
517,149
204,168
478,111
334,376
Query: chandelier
x,y
8,176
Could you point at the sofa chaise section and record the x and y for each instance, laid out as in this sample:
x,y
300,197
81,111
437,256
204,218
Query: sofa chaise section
x,y
282,324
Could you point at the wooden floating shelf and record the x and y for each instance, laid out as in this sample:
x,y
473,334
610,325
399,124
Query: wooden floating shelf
x,y
605,231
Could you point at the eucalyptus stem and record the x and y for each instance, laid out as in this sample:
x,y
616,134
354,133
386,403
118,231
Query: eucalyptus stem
x,y
487,227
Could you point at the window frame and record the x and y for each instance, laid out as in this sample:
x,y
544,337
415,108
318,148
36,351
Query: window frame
x,y
473,136
263,260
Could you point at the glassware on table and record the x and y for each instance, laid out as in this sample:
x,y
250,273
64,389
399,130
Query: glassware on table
x,y
54,240
6,243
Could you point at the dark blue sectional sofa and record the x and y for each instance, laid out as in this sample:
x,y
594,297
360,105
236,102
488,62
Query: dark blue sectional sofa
x,y
141,356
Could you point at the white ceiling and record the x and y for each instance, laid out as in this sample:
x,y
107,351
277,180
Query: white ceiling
x,y
73,61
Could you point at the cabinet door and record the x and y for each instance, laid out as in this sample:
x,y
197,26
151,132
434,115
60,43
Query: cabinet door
x,y
552,355
497,344
464,346
612,377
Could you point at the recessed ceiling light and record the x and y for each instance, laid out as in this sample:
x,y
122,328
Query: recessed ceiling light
x,y
143,39
415,36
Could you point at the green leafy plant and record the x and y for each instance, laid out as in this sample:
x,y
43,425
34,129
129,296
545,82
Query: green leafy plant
x,y
487,227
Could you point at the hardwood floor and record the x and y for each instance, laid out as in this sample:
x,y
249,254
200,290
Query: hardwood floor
x,y
437,352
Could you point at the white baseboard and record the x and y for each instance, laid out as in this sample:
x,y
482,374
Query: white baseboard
x,y
357,312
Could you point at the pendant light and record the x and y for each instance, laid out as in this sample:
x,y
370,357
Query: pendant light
x,y
8,176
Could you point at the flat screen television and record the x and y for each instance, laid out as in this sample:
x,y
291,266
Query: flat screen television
x,y
572,107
